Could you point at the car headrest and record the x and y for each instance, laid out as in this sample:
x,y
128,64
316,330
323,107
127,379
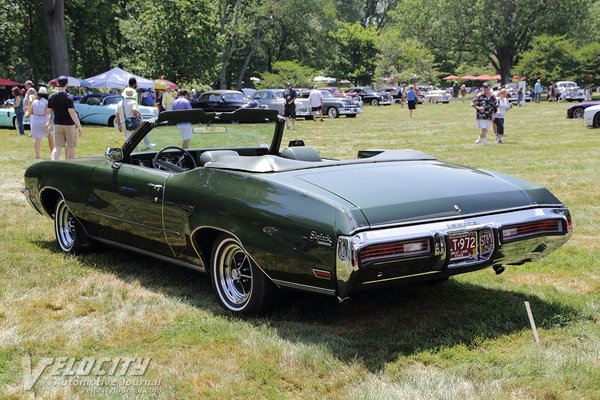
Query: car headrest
x,y
301,153
212,155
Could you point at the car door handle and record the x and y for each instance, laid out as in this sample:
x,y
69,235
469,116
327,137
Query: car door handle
x,y
156,187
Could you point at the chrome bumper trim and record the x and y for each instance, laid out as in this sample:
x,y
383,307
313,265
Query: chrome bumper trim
x,y
349,268
307,288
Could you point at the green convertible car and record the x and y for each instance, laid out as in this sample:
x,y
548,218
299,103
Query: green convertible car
x,y
256,215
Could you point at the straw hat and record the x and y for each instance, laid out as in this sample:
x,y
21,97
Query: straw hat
x,y
129,93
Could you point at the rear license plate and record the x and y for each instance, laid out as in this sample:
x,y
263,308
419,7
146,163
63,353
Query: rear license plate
x,y
463,245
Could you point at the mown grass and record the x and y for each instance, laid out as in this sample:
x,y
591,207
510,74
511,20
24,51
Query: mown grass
x,y
468,338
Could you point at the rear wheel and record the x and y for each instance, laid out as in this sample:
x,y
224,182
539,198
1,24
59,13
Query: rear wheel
x,y
241,287
597,120
70,235
111,121
374,103
15,123
332,112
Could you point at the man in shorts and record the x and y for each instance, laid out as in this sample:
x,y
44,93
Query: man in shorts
x,y
485,106
289,108
316,102
185,128
66,122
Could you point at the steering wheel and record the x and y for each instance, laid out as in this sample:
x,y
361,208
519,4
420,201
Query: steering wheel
x,y
158,163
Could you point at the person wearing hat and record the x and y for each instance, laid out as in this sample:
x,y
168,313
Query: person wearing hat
x,y
289,107
167,99
127,108
37,119
485,106
66,122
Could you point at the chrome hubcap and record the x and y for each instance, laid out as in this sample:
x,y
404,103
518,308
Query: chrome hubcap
x,y
234,273
65,227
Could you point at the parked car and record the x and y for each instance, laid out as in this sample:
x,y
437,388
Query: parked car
x,y
337,92
100,108
573,94
394,91
255,217
368,96
513,95
563,85
435,96
576,110
273,99
7,115
334,106
591,116
223,101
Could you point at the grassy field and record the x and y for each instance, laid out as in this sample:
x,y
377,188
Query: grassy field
x,y
466,339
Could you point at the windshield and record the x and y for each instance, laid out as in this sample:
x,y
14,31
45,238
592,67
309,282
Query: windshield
x,y
327,93
112,100
216,135
234,97
368,90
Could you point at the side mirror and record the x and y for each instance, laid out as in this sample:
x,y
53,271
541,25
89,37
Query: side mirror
x,y
114,154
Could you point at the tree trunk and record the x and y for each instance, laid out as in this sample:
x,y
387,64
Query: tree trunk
x,y
259,39
54,13
504,62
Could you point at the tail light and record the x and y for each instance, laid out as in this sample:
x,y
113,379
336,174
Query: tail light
x,y
391,251
532,229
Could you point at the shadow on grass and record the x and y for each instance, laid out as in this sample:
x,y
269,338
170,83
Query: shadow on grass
x,y
373,328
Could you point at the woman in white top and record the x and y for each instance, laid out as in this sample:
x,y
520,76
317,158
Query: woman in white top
x,y
37,119
503,106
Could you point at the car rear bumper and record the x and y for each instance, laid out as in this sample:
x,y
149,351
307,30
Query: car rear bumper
x,y
350,110
352,273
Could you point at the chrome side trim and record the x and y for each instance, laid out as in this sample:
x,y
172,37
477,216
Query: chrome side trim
x,y
401,277
151,254
308,288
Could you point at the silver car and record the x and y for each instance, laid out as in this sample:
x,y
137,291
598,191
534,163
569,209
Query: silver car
x,y
273,99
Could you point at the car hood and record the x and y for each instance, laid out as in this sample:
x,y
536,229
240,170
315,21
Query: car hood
x,y
397,192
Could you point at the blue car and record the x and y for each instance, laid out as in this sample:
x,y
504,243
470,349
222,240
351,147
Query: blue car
x,y
100,109
8,118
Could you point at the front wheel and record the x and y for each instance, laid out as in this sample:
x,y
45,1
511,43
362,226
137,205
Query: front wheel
x,y
374,103
111,121
241,287
597,120
578,112
332,112
70,235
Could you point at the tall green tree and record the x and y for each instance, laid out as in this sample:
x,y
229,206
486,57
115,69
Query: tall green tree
x,y
407,60
496,30
356,55
174,39
54,12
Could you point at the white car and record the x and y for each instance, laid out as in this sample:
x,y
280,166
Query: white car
x,y
437,96
591,116
564,85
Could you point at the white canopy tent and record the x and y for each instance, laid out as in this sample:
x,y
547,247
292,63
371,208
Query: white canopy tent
x,y
116,78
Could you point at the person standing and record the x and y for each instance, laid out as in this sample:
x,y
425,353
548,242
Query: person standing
x,y
503,106
485,106
127,108
37,119
289,108
520,98
19,111
463,92
455,89
66,122
185,128
411,97
133,85
27,93
537,91
316,102
167,99
551,94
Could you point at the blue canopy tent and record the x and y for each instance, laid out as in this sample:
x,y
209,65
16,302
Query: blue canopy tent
x,y
116,78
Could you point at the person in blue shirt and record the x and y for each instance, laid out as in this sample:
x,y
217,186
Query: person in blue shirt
x,y
537,91
185,128
411,97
